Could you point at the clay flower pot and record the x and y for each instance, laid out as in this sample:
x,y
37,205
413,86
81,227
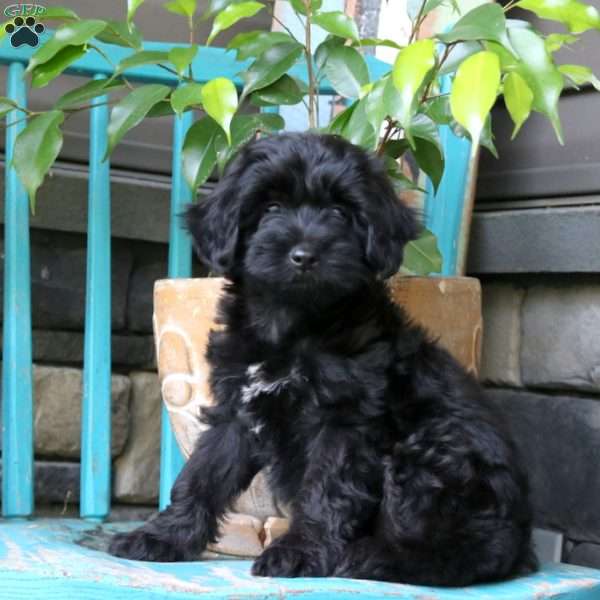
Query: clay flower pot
x,y
184,313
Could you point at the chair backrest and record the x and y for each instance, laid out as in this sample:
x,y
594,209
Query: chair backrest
x,y
17,405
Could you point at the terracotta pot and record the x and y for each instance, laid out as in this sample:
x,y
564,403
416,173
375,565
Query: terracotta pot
x,y
184,311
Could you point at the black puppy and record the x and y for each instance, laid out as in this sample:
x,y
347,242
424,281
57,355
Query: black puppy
x,y
377,438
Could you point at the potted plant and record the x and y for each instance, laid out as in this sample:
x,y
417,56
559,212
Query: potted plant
x,y
396,115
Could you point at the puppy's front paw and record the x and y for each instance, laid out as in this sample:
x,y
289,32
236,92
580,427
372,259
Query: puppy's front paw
x,y
283,559
142,545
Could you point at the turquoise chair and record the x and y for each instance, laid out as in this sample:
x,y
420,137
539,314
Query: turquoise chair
x,y
49,559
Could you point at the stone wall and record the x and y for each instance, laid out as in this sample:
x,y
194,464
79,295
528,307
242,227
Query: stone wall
x,y
541,366
58,262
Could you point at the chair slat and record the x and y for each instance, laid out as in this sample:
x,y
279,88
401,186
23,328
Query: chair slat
x,y
17,387
96,409
180,265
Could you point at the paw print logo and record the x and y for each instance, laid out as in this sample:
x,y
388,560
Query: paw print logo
x,y
24,31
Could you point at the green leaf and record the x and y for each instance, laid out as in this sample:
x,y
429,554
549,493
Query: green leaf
x,y
285,91
337,124
519,100
244,128
132,6
426,129
162,108
438,109
378,42
337,23
185,8
508,62
43,74
129,111
577,16
471,103
144,57
186,95
395,148
580,75
215,6
430,159
375,106
486,22
414,7
358,130
270,66
120,34
428,150
487,137
400,181
324,49
254,43
6,105
540,73
69,34
36,149
300,5
422,256
231,14
86,92
459,52
59,13
220,101
412,66
346,70
555,41
200,151
182,57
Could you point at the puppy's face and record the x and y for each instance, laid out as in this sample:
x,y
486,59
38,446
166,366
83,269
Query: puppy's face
x,y
302,215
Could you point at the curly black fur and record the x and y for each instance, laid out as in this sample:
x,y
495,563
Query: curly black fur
x,y
377,438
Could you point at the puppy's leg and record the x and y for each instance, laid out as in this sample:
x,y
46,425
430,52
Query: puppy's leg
x,y
220,468
336,500
437,529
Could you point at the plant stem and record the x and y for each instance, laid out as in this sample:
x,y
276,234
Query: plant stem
x,y
279,22
191,40
418,22
111,63
312,96
165,68
391,125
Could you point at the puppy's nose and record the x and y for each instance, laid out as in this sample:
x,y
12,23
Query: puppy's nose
x,y
302,258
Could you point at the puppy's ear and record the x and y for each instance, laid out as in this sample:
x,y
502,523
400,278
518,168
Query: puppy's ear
x,y
213,222
390,226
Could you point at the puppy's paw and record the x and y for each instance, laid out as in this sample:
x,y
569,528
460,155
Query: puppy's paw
x,y
283,559
142,545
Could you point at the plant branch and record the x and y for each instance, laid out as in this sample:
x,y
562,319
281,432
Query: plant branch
x,y
191,40
418,22
445,56
281,23
391,126
174,72
312,93
111,63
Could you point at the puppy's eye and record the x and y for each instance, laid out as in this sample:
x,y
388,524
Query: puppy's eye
x,y
273,207
338,212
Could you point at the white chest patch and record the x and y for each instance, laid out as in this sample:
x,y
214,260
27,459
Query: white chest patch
x,y
258,384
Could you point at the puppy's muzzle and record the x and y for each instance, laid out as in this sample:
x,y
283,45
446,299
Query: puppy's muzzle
x,y
303,258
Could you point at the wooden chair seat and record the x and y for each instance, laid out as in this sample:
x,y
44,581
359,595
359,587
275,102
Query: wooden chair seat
x,y
64,559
